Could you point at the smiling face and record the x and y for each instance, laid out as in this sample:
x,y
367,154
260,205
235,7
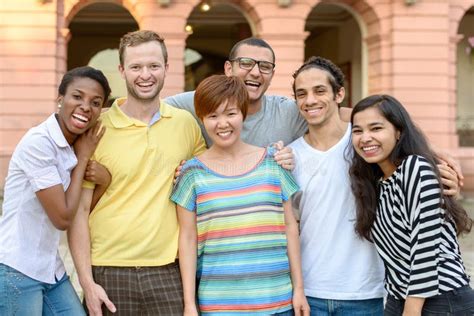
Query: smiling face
x,y
315,97
80,107
256,82
224,125
374,138
144,70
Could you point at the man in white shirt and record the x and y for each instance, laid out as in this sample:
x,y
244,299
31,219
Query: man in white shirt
x,y
343,274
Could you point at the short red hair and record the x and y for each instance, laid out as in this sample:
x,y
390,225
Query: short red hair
x,y
218,89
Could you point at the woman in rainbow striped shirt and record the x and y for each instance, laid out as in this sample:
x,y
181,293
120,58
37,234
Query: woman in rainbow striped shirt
x,y
238,236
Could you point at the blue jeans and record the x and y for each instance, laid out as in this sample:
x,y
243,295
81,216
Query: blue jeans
x,y
325,307
24,296
458,302
287,313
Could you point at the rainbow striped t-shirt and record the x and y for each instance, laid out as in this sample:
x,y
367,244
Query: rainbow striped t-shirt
x,y
242,259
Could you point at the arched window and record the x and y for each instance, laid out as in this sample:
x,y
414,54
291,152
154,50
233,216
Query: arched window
x,y
212,33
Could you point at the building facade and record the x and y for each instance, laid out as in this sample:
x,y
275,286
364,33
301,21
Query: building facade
x,y
420,51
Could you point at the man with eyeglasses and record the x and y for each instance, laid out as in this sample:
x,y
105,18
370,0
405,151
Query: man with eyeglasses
x,y
270,118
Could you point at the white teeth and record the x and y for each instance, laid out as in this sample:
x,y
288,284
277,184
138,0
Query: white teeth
x,y
80,118
145,84
224,133
252,83
369,148
313,111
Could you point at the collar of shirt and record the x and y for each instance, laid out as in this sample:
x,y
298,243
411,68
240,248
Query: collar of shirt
x,y
120,120
55,131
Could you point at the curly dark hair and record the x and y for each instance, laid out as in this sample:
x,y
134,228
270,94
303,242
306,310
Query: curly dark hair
x,y
336,78
365,176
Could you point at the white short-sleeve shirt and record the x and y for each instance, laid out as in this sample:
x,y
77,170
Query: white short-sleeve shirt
x,y
29,242
336,263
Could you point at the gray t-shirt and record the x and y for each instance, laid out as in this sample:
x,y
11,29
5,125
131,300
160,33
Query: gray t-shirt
x,y
278,119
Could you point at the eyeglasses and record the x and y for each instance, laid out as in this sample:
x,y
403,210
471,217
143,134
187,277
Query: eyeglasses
x,y
247,63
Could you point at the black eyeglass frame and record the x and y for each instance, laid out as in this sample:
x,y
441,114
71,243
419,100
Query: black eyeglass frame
x,y
238,59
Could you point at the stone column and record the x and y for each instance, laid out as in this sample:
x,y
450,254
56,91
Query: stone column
x,y
289,51
169,22
420,67
283,29
28,70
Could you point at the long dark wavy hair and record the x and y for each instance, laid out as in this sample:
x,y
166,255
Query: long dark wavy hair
x,y
365,176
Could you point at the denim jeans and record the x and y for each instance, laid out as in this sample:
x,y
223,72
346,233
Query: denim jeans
x,y
326,307
286,313
459,302
24,296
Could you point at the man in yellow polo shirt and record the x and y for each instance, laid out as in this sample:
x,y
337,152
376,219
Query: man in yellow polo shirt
x,y
125,250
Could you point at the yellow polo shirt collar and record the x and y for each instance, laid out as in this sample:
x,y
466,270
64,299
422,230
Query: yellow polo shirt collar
x,y
120,120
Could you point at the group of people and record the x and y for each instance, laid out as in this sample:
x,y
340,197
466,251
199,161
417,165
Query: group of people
x,y
375,205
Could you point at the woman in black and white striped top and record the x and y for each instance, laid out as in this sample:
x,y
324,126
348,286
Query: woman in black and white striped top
x,y
400,207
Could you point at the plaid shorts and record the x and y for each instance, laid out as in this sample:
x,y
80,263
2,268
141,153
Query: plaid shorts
x,y
142,290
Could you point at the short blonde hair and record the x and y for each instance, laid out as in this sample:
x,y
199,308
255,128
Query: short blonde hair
x,y
139,37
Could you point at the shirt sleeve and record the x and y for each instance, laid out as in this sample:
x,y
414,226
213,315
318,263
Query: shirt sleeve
x,y
38,158
423,204
287,182
184,193
183,101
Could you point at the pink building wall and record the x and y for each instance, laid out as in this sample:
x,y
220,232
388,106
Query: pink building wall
x,y
410,53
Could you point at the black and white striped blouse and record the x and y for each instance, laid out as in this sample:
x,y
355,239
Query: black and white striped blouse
x,y
416,242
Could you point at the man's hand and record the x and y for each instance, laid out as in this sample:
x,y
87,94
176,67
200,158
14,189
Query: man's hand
x,y
448,165
177,172
95,296
449,179
284,156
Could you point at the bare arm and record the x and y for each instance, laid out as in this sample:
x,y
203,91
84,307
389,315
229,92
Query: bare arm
x,y
98,174
79,245
300,304
61,206
188,258
413,306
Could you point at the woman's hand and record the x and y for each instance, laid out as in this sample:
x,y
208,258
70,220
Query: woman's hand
x,y
86,143
300,304
97,173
